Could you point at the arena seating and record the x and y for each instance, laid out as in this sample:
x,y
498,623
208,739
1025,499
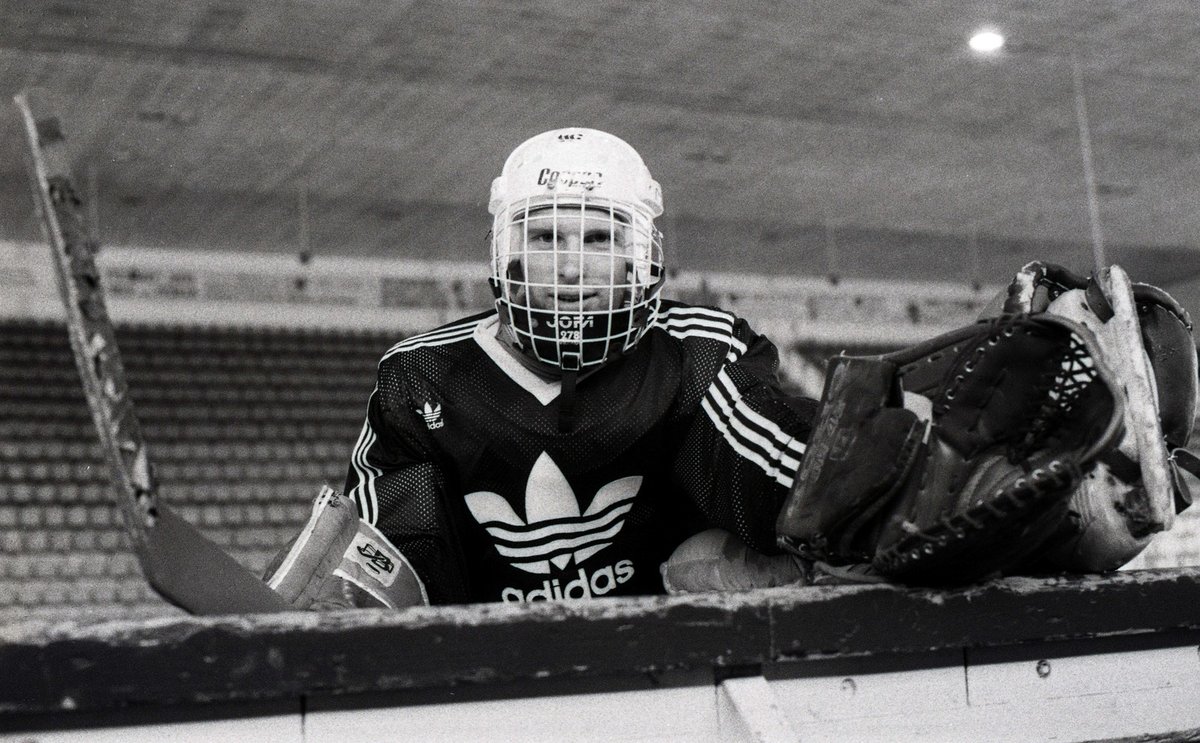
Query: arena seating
x,y
244,425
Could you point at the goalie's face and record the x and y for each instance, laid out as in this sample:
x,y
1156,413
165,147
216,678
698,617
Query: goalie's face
x,y
571,259
576,282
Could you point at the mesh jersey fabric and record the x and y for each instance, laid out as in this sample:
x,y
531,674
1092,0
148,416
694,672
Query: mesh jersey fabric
x,y
470,476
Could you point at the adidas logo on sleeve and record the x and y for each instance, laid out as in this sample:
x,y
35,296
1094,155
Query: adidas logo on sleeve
x,y
432,415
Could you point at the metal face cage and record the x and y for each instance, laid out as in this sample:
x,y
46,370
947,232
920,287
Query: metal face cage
x,y
577,280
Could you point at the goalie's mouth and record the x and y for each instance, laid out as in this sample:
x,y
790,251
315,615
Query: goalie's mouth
x,y
571,300
576,301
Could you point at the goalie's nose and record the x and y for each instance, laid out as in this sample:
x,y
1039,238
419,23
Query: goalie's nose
x,y
567,263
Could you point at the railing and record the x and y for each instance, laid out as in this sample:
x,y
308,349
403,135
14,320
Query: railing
x,y
1015,659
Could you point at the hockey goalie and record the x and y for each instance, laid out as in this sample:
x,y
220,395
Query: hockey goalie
x,y
1047,437
588,437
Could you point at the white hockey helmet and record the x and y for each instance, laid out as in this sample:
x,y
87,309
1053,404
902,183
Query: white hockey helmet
x,y
561,183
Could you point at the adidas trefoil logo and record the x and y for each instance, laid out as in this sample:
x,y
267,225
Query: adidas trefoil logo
x,y
432,415
556,531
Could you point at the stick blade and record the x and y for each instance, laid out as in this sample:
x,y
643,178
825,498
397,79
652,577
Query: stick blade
x,y
195,574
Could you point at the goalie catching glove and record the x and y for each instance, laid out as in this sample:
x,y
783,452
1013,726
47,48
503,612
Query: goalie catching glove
x,y
954,459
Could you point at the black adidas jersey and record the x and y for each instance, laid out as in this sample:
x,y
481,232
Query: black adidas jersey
x,y
463,463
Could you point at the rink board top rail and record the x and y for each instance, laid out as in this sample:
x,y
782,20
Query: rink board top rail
x,y
89,664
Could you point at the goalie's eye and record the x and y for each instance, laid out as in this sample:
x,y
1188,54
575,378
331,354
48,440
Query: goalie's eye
x,y
595,239
540,238
603,240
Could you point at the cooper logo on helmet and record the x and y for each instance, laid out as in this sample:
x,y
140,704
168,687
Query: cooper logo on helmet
x,y
570,178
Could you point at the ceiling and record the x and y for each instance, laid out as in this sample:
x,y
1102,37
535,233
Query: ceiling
x,y
860,138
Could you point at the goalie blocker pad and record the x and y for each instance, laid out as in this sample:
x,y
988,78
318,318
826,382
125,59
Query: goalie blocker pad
x,y
859,456
337,544
954,459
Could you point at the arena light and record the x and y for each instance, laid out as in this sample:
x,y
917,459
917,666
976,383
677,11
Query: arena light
x,y
986,42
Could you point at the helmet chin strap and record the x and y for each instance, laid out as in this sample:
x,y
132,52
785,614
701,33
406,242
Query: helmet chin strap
x,y
566,396
568,377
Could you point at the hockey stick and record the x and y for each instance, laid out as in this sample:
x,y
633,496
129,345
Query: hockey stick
x,y
180,563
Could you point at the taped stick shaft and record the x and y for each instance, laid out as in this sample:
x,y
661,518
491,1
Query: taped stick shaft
x,y
89,330
179,562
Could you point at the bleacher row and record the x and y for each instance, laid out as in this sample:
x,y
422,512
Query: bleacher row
x,y
243,426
